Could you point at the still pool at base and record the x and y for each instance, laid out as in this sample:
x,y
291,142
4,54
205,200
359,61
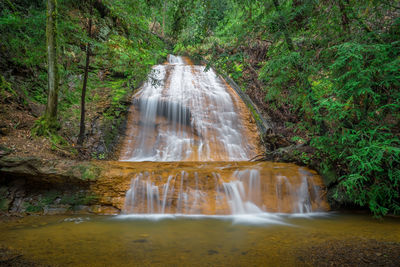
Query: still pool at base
x,y
272,240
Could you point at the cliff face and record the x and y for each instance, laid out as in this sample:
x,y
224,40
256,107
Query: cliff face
x,y
32,185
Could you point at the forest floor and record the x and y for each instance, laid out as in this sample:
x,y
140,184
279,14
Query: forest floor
x,y
17,119
16,122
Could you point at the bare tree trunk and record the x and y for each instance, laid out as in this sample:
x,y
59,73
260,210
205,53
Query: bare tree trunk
x,y
85,78
52,84
163,18
154,22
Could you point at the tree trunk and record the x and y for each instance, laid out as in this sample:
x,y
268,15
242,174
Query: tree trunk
x,y
345,19
154,22
163,18
85,78
52,84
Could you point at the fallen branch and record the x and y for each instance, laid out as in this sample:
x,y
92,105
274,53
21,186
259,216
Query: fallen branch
x,y
256,157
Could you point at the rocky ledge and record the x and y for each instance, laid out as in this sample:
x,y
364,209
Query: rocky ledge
x,y
35,186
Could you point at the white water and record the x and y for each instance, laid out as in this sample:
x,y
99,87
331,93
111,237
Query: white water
x,y
183,113
243,194
186,114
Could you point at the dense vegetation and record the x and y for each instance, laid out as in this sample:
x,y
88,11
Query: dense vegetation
x,y
326,72
123,49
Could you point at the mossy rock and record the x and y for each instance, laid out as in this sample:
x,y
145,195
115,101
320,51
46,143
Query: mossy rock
x,y
50,171
88,171
328,176
5,204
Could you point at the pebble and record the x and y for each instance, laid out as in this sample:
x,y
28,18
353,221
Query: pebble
x,y
212,252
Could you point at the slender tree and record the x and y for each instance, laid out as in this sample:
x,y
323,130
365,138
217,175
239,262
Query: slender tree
x,y
163,19
85,78
51,40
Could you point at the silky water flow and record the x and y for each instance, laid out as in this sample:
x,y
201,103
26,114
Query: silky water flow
x,y
186,113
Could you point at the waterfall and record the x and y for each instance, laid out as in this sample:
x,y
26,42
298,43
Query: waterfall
x,y
184,113
249,190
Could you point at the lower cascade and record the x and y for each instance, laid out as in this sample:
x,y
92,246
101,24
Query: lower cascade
x,y
192,117
221,189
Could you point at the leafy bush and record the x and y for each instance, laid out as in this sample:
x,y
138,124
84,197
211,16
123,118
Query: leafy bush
x,y
362,117
333,71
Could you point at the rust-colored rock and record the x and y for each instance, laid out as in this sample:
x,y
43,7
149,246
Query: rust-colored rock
x,y
206,188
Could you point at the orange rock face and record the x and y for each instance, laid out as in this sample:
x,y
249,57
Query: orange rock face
x,y
193,117
184,113
210,187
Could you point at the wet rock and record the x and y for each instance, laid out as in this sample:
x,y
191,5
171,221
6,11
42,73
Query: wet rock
x,y
17,206
104,210
77,220
55,210
35,185
212,252
51,171
82,209
100,149
5,201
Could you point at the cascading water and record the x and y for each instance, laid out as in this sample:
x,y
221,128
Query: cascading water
x,y
249,189
186,114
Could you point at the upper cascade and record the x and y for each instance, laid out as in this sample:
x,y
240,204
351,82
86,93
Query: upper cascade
x,y
185,113
175,59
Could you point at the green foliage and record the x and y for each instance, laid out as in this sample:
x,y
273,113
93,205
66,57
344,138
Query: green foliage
x,y
49,197
44,127
68,198
5,89
78,199
33,208
339,78
24,40
4,202
123,51
333,71
360,115
89,172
